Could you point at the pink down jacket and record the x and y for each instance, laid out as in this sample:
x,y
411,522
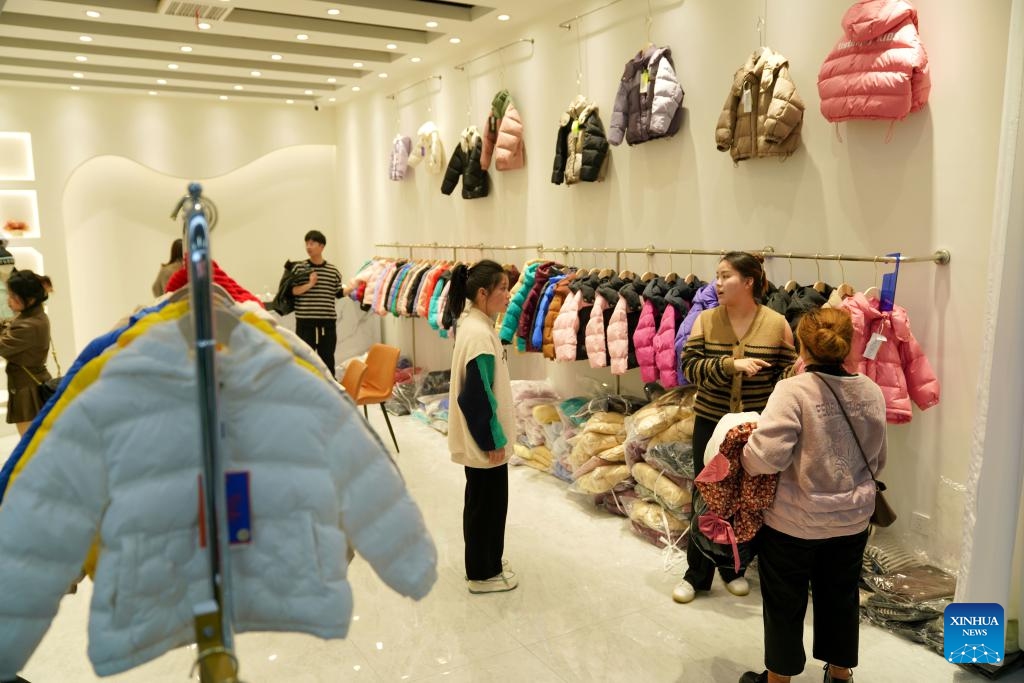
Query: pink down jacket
x,y
643,340
900,367
665,349
566,328
878,69
618,338
597,349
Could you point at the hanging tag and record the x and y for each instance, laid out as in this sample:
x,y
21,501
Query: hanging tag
x,y
645,80
575,126
745,98
236,490
874,344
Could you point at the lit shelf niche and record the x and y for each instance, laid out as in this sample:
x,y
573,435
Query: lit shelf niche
x,y
16,157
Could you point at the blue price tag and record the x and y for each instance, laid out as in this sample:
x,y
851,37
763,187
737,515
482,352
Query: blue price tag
x,y
236,489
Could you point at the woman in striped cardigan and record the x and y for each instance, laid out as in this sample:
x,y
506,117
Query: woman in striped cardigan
x,y
734,356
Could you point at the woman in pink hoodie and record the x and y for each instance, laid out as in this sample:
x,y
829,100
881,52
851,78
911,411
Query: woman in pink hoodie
x,y
823,431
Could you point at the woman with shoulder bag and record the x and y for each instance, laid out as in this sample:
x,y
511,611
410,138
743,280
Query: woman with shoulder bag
x,y
824,432
24,343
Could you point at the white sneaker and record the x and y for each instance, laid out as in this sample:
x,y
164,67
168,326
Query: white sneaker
x,y
738,587
505,581
504,567
684,592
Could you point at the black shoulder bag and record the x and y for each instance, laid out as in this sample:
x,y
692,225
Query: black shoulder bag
x,y
883,515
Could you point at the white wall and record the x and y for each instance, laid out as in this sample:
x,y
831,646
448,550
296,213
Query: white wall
x,y
931,186
123,160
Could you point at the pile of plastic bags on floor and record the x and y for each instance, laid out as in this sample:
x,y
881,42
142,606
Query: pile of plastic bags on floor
x,y
659,455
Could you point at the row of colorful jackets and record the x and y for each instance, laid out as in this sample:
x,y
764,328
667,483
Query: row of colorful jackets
x,y
110,462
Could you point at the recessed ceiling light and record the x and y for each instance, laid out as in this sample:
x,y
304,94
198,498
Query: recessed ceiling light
x,y
503,17
204,26
332,99
416,60
257,74
431,24
289,101
454,41
302,36
186,48
239,87
382,75
92,14
356,88
223,97
357,65
307,92
78,74
85,39
276,58
152,92
81,58
334,11
75,87
391,46
332,79
172,67
161,81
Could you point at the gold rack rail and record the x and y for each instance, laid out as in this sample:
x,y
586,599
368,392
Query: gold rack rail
x,y
567,24
463,65
395,94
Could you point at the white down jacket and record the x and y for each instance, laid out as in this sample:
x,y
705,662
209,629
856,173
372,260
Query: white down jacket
x,y
119,458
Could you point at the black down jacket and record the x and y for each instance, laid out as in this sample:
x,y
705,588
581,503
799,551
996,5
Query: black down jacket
x,y
465,164
581,150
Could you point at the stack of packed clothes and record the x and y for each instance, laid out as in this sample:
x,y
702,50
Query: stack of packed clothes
x,y
432,400
659,454
574,415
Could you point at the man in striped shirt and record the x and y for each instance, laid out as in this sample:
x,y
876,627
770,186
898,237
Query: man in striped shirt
x,y
318,284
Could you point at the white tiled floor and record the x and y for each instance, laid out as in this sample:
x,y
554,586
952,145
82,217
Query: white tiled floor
x,y
593,605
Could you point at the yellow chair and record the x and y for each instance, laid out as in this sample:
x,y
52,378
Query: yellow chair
x,y
354,373
379,380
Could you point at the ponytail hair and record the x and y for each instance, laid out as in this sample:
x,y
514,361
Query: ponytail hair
x,y
749,265
465,283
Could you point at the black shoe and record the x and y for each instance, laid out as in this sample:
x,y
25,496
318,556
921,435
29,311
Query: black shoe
x,y
751,677
828,678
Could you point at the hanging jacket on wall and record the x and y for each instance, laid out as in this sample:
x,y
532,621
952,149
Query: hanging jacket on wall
x,y
763,113
878,69
503,135
465,164
649,102
428,148
581,148
399,161
900,367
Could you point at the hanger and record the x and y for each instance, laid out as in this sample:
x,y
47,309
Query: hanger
x,y
606,272
225,314
648,276
627,275
873,292
819,284
791,284
672,274
690,277
845,290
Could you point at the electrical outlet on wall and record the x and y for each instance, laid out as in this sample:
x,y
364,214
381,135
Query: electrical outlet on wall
x,y
920,523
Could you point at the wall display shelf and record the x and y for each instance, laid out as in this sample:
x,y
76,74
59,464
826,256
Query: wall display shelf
x,y
19,214
16,156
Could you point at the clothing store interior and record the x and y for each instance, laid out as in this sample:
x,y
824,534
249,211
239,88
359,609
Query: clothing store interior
x,y
546,340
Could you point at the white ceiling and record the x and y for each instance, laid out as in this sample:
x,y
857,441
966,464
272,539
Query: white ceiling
x,y
134,42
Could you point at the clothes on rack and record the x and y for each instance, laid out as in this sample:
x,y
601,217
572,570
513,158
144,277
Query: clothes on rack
x,y
649,103
465,165
879,68
107,461
581,148
503,135
763,113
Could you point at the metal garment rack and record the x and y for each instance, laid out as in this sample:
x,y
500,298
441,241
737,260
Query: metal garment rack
x,y
215,659
463,65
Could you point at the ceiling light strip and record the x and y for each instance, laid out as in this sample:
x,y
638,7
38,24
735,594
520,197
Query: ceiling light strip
x,y
462,66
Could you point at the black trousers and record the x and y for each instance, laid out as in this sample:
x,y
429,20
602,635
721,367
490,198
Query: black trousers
x,y
700,571
832,568
322,336
483,521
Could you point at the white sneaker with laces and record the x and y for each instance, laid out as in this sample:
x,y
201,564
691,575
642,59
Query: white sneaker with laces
x,y
504,567
684,592
738,587
505,581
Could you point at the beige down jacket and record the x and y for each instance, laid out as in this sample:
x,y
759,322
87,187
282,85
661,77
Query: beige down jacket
x,y
763,113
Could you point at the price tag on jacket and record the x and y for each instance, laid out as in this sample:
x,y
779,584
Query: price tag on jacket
x,y
645,80
874,344
745,98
